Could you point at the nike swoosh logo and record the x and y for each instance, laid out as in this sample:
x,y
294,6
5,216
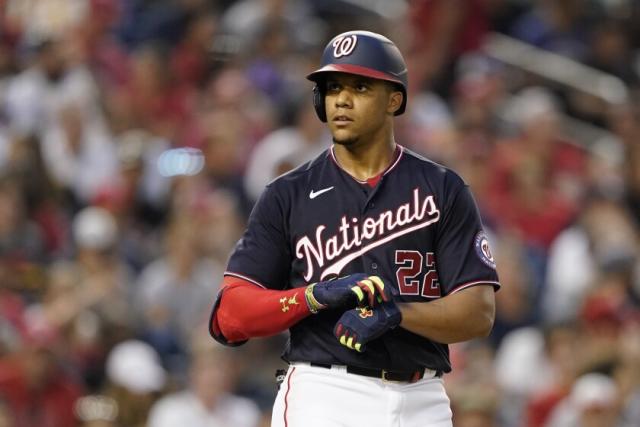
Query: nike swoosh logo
x,y
314,194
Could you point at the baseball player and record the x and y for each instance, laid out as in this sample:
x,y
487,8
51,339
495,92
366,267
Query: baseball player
x,y
373,257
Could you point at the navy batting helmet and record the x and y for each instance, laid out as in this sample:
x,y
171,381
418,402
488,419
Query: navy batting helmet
x,y
363,53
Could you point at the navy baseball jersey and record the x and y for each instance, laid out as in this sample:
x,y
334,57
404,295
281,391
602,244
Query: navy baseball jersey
x,y
418,229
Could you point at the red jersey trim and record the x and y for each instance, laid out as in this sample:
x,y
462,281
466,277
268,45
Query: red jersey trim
x,y
496,285
248,279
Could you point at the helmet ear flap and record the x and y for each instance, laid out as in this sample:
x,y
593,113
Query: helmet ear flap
x,y
318,103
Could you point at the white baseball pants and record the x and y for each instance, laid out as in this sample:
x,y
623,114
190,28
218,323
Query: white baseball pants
x,y
313,396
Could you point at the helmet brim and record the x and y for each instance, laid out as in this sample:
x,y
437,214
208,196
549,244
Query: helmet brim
x,y
317,75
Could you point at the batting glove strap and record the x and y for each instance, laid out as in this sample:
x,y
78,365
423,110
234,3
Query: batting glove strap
x,y
362,325
350,291
336,293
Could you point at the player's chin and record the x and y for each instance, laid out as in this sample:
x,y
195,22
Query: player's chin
x,y
342,137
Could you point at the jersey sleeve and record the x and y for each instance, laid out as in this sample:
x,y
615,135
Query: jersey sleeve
x,y
262,256
463,256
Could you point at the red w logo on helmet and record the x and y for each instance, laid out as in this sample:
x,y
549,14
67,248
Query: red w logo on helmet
x,y
343,46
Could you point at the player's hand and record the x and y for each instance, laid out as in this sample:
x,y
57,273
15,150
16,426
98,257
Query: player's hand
x,y
355,290
361,325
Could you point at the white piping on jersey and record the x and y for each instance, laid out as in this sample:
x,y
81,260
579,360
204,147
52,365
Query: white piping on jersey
x,y
240,276
470,284
416,214
393,165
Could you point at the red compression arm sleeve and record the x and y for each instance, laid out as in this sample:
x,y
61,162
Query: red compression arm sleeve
x,y
247,311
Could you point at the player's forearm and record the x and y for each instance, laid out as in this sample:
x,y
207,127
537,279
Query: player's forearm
x,y
458,317
246,311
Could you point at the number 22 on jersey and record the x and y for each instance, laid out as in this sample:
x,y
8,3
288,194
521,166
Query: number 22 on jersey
x,y
410,268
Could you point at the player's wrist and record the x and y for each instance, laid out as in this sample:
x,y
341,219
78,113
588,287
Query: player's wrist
x,y
313,304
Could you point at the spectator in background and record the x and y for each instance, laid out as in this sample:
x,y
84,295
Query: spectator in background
x,y
230,95
247,18
22,246
477,409
440,31
174,291
538,178
474,393
534,368
271,48
559,26
37,389
429,126
55,78
97,45
40,19
43,201
29,94
138,196
79,154
220,223
478,99
282,150
135,377
20,239
600,326
209,400
67,306
592,403
515,304
225,139
610,51
604,237
104,287
88,299
150,98
191,61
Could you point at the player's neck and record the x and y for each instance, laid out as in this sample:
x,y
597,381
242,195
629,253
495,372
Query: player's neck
x,y
363,161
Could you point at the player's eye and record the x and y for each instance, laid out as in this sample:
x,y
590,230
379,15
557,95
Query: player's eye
x,y
333,87
362,87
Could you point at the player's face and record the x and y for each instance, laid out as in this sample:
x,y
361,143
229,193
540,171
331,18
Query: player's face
x,y
359,108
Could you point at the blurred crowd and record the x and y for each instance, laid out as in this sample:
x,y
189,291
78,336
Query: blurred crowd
x,y
109,264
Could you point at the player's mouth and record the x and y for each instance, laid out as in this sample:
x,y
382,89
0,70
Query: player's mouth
x,y
342,120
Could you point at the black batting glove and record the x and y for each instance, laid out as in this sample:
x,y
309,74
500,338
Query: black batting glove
x,y
362,325
350,291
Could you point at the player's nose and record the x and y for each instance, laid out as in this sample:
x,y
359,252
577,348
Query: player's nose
x,y
344,99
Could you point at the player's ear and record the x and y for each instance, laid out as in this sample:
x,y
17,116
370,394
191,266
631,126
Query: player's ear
x,y
395,101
